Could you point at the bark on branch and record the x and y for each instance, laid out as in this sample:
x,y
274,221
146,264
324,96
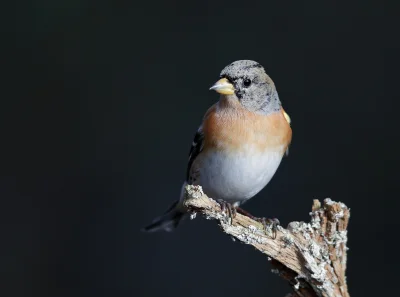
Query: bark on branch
x,y
310,256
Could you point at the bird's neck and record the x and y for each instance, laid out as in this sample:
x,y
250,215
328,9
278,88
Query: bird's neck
x,y
270,104
229,101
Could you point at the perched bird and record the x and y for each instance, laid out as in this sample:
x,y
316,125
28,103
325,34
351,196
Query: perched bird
x,y
240,143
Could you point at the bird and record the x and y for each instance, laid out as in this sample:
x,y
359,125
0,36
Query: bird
x,y
239,144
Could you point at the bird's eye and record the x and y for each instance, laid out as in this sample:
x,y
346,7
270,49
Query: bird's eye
x,y
247,82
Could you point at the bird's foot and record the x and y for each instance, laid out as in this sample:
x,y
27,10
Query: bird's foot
x,y
228,210
270,225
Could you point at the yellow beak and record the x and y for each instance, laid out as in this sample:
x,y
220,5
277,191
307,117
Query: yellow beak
x,y
223,86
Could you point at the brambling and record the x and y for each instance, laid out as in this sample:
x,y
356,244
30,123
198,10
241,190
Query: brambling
x,y
240,143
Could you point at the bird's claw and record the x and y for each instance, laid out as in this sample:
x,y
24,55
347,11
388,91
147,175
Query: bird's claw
x,y
228,210
269,225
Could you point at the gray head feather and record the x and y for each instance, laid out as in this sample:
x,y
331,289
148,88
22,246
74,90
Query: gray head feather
x,y
254,89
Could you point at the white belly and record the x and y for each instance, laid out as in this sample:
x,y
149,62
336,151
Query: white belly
x,y
238,176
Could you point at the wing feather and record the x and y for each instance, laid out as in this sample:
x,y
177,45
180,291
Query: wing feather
x,y
195,150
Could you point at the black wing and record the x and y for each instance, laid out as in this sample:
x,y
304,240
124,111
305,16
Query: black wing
x,y
195,150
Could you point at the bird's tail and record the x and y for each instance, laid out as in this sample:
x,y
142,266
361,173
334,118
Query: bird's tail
x,y
169,220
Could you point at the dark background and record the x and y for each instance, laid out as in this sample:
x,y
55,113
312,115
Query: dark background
x,y
100,104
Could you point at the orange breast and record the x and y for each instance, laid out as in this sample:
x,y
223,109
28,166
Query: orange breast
x,y
232,127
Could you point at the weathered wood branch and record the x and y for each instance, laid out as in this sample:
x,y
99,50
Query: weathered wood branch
x,y
310,256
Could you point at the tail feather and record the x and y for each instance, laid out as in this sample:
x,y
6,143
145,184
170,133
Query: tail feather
x,y
168,221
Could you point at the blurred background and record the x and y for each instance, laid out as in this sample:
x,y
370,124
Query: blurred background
x,y
101,100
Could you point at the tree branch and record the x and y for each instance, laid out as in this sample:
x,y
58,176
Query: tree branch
x,y
310,256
